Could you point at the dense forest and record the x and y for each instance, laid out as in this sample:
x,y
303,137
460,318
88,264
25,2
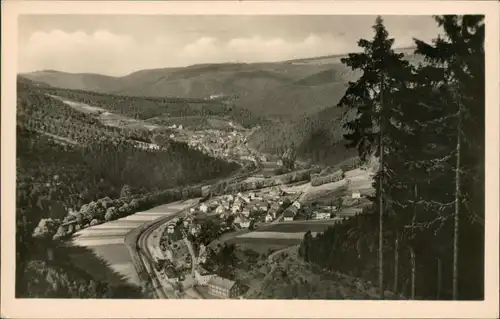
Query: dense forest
x,y
152,108
424,236
72,169
316,137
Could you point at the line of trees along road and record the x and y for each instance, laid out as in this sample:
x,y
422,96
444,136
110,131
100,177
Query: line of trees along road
x,y
425,123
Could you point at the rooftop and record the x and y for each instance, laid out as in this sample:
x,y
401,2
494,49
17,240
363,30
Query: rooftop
x,y
291,211
221,282
202,271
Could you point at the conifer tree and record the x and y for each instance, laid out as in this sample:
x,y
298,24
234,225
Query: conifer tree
x,y
460,55
371,100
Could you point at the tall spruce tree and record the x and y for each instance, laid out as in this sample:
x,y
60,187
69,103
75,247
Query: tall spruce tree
x,y
372,100
460,55
422,151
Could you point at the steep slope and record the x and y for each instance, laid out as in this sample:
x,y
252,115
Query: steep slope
x,y
316,137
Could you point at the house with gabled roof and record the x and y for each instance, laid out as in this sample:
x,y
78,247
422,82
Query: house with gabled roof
x,y
297,204
290,213
202,276
223,287
203,208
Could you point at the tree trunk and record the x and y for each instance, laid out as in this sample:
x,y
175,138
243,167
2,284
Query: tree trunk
x,y
457,206
396,263
381,195
438,295
412,253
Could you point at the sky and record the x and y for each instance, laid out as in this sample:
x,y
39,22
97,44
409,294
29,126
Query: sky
x,y
119,45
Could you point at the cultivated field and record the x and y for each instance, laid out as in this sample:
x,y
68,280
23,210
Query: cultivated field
x,y
106,117
273,235
263,245
107,241
299,226
280,235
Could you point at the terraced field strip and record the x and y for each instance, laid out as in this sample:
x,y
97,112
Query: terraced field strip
x,y
274,235
107,241
299,226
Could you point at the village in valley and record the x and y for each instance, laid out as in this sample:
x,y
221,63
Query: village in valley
x,y
229,142
184,249
228,166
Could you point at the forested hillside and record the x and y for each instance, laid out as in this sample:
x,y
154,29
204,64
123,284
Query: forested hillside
x,y
293,101
424,236
285,89
316,137
159,110
67,159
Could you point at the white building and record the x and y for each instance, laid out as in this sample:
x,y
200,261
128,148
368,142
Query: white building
x,y
269,218
203,208
244,222
356,195
236,207
321,215
170,229
297,204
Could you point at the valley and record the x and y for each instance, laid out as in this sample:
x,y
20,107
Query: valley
x,y
333,177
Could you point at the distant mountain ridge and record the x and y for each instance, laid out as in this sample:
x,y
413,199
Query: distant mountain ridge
x,y
284,89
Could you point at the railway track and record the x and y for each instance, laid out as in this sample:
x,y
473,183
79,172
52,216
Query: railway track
x,y
144,256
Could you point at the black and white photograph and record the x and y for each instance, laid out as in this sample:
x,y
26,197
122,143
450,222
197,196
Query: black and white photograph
x,y
245,156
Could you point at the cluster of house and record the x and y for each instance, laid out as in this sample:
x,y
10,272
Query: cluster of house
x,y
261,207
226,145
217,286
166,263
324,212
187,225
